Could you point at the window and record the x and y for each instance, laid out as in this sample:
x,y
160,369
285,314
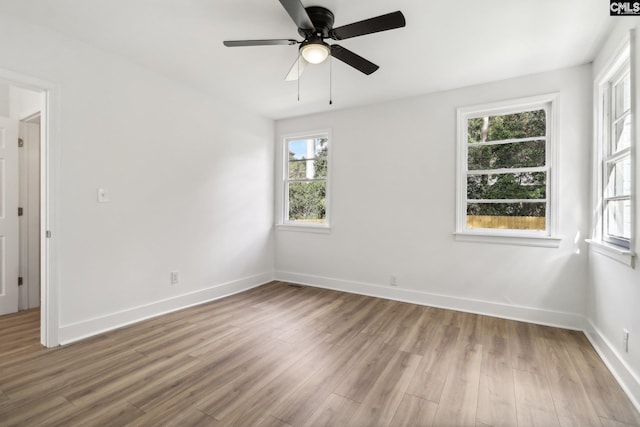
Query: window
x,y
306,180
616,162
505,177
614,141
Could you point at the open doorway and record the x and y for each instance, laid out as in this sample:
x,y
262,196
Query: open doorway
x,y
25,133
29,211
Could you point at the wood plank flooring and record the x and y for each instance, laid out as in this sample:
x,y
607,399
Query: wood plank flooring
x,y
282,355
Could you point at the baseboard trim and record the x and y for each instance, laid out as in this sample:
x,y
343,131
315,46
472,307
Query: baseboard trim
x,y
84,329
505,311
620,370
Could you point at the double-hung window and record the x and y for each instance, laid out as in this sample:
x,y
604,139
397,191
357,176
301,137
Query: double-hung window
x,y
505,171
306,180
614,164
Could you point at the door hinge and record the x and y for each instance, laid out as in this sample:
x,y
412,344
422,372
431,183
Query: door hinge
x,y
19,281
48,234
20,142
20,211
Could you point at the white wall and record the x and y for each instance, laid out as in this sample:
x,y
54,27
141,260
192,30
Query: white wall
x,y
393,208
190,180
614,295
24,103
4,100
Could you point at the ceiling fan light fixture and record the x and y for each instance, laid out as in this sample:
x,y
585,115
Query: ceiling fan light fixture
x,y
315,52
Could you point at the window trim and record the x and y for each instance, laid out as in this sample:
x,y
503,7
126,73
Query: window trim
x,y
623,58
546,238
283,222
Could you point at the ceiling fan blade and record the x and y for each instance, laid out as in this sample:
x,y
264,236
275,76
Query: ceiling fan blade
x,y
296,69
297,12
350,58
271,42
386,22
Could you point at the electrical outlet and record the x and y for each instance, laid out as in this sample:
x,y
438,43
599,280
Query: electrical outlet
x,y
175,278
625,340
393,281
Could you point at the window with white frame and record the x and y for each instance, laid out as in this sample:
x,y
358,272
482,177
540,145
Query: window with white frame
x,y
614,162
306,180
505,161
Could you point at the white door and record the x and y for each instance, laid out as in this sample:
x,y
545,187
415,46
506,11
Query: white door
x,y
8,215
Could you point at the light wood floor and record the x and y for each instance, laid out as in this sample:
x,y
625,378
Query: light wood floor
x,y
281,355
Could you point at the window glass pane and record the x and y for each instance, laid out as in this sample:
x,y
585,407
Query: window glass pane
x,y
320,167
622,93
516,155
495,128
619,178
321,147
618,218
507,209
308,148
307,201
298,149
308,169
516,216
622,134
298,169
525,185
308,158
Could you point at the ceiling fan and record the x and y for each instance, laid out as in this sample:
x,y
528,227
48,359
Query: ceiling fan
x,y
315,24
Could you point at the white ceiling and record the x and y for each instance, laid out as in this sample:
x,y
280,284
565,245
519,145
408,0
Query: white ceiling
x,y
445,45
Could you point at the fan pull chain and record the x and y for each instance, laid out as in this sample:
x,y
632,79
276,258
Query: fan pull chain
x,y
298,79
330,80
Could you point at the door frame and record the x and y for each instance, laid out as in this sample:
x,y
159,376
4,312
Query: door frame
x,y
49,206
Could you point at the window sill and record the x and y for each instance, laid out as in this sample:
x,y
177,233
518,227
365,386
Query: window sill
x,y
624,256
506,239
323,229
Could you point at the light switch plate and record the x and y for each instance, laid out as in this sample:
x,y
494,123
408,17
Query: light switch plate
x,y
103,195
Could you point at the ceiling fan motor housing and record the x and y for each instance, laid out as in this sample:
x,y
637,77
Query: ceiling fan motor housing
x,y
322,19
